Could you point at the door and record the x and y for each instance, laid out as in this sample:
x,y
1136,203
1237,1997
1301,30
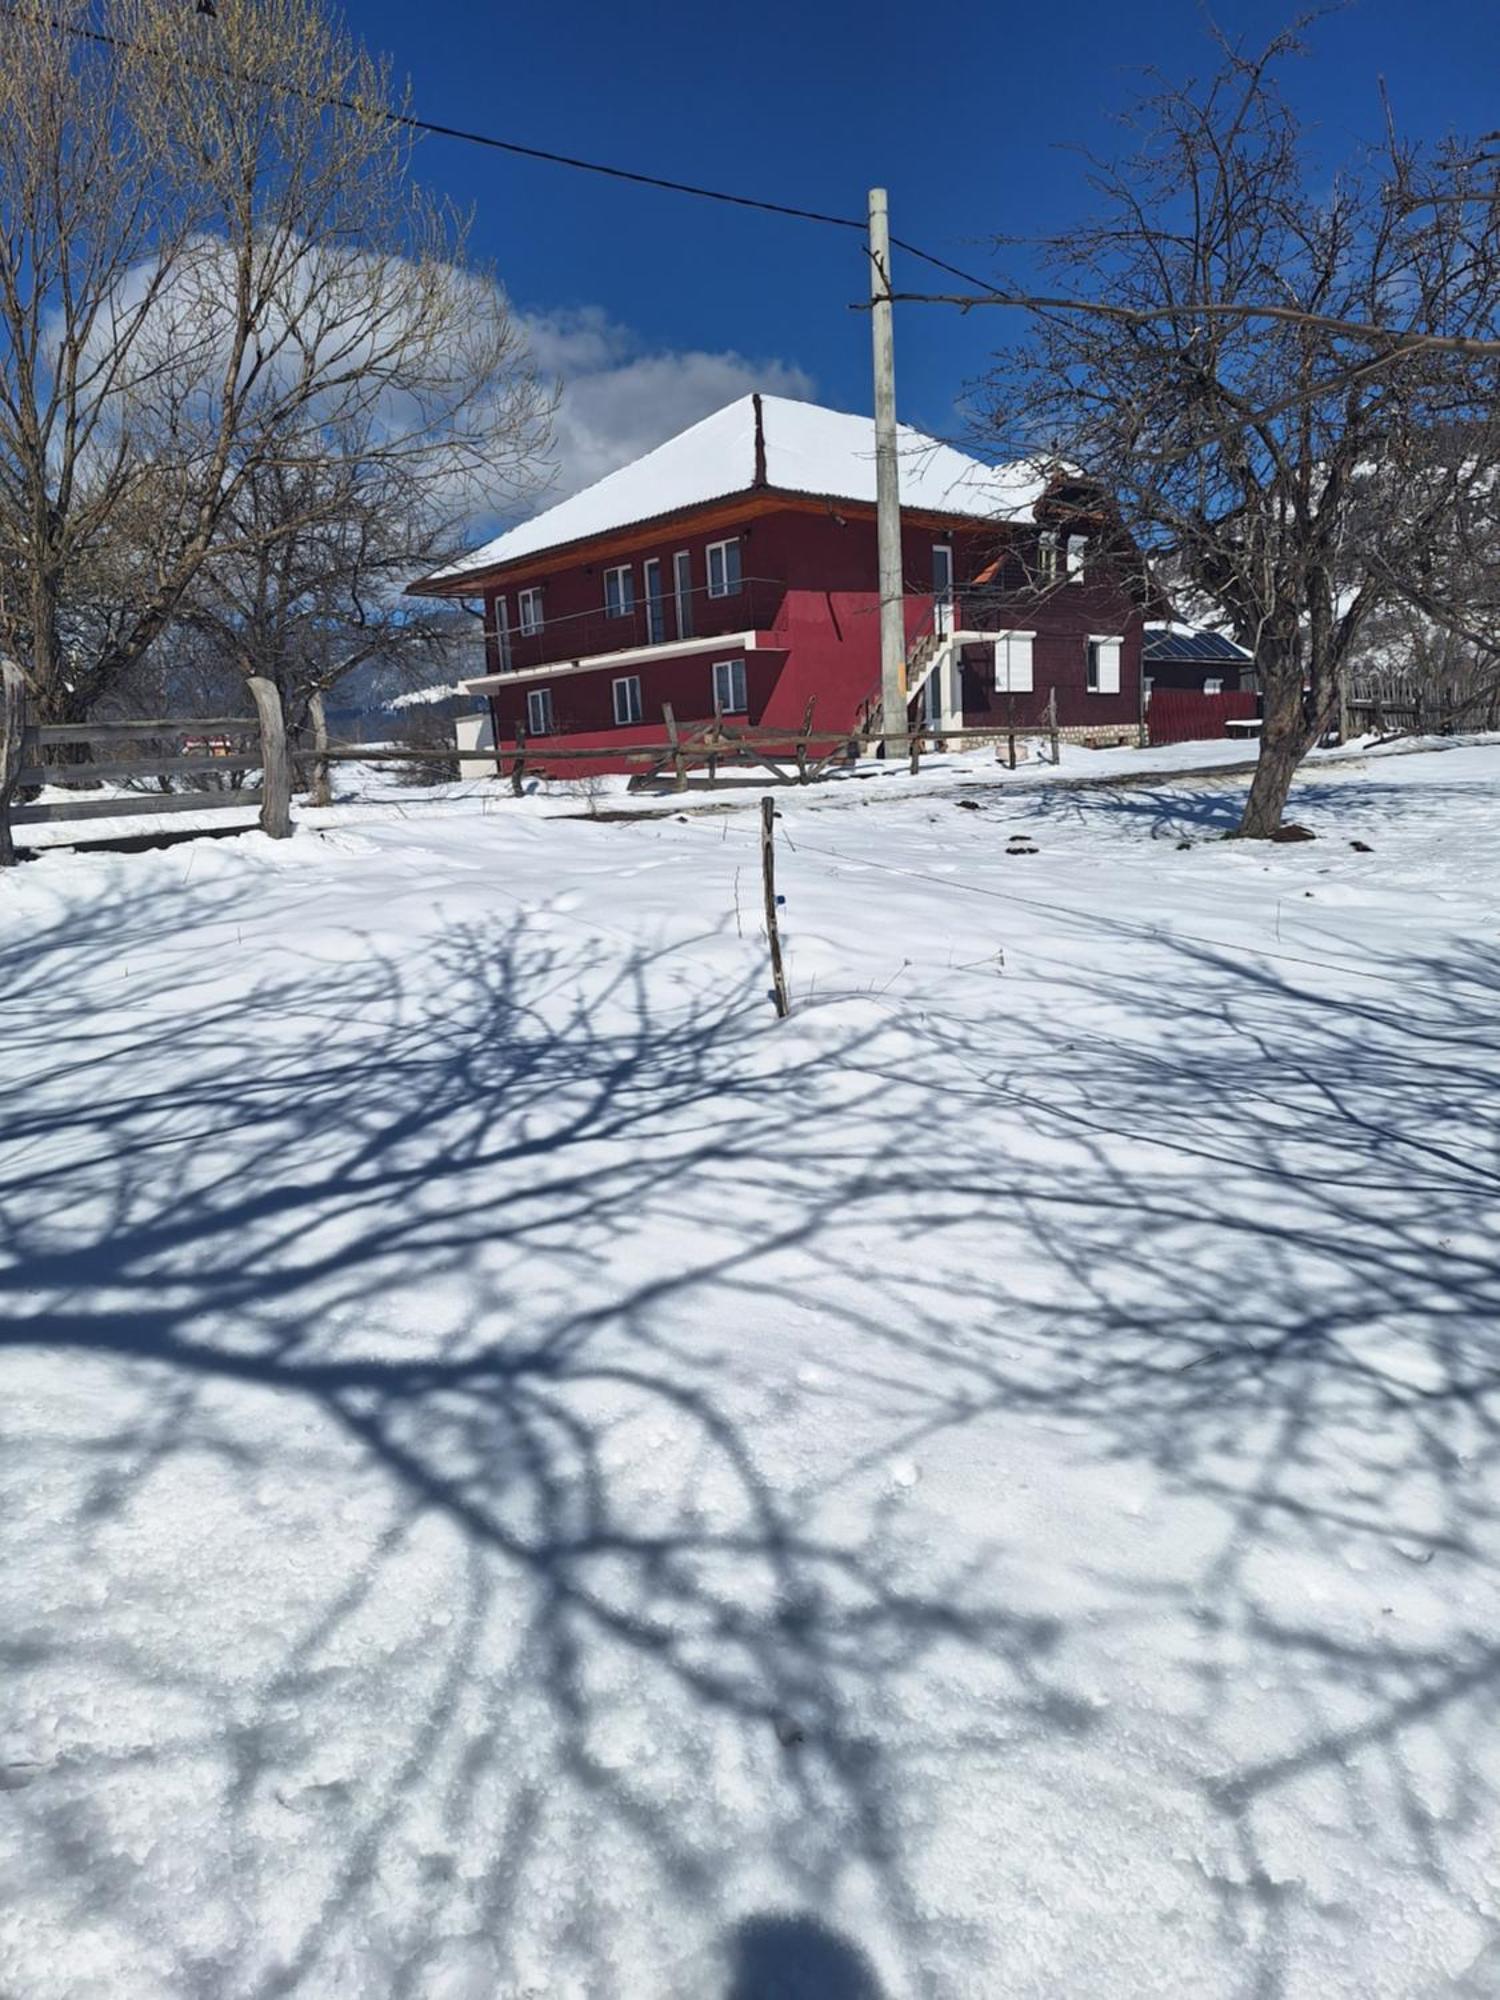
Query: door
x,y
942,589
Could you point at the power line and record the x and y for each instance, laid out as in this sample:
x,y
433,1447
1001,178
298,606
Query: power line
x,y
410,121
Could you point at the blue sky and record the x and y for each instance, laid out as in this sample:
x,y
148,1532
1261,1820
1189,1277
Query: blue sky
x,y
656,308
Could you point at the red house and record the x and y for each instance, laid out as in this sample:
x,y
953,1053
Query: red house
x,y
733,570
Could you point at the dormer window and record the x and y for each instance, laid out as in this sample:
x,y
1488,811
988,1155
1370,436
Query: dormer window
x,y
1077,552
1046,555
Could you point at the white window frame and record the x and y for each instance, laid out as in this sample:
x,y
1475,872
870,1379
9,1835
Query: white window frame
x,y
622,603
1093,678
1214,685
1015,662
501,621
632,683
1077,557
723,587
735,670
529,613
682,591
1046,555
539,700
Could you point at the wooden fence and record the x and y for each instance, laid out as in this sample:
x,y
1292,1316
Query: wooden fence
x,y
195,746
1187,715
1423,712
793,756
169,746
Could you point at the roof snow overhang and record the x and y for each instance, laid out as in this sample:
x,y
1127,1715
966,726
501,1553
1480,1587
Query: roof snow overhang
x,y
703,516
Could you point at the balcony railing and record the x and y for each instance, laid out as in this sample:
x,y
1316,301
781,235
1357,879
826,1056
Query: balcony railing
x,y
694,614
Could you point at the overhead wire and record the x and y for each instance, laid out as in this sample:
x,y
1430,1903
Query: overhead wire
x,y
412,121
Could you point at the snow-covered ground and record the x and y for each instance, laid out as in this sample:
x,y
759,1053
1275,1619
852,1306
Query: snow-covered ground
x,y
522,1475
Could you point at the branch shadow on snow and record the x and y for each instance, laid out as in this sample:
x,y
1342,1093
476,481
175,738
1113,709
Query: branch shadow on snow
x,y
410,1210
1211,808
454,1283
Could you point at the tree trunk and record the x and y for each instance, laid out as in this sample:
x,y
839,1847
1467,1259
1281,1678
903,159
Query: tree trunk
x,y
1286,738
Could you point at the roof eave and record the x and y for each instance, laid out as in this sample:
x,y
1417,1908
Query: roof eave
x,y
466,581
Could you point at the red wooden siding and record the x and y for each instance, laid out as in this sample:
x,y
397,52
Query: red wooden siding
x,y
1181,715
809,595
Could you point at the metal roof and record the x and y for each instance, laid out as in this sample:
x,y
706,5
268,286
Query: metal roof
x,y
1194,646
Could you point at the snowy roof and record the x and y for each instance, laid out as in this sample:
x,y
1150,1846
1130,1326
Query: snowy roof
x,y
420,697
808,450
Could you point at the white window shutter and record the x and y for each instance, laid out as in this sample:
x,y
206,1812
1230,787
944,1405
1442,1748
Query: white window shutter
x,y
1013,663
1109,666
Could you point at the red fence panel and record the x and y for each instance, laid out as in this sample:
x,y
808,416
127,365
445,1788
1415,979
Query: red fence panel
x,y
1182,715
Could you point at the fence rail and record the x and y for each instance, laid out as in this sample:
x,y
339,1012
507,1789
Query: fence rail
x,y
1424,713
24,769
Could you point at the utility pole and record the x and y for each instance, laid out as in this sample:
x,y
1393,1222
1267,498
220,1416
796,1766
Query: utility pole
x,y
887,483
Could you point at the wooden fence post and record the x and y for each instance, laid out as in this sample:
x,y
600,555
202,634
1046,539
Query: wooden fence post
x,y
679,762
916,749
518,768
1052,726
773,929
317,715
12,736
807,723
275,760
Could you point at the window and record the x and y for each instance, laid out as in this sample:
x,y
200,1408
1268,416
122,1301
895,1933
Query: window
x,y
628,699
619,592
682,590
1104,666
1077,546
1046,556
539,712
501,622
1213,687
729,687
529,605
656,615
1013,668
723,569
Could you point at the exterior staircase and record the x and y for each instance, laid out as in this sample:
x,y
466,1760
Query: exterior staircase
x,y
929,651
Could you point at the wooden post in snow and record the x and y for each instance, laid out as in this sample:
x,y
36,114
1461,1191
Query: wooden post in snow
x,y
1052,726
1010,727
317,715
275,760
679,762
12,735
773,929
807,723
916,749
518,768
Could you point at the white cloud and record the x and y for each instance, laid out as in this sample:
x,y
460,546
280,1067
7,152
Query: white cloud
x,y
620,399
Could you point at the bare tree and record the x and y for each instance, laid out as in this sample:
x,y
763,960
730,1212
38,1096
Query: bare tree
x,y
215,269
1298,478
304,583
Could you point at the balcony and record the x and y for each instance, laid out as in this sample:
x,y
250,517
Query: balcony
x,y
589,638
